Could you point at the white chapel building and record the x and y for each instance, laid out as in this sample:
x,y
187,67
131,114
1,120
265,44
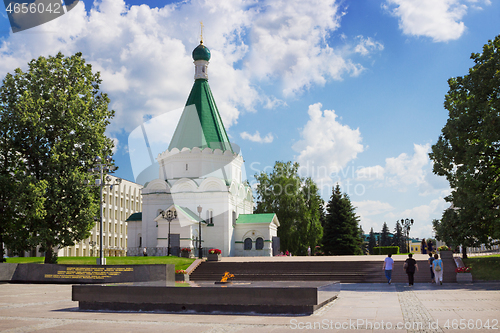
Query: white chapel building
x,y
200,179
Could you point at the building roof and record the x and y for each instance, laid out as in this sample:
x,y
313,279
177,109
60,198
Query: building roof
x,y
134,217
200,124
255,218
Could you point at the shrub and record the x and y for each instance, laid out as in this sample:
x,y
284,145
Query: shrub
x,y
386,249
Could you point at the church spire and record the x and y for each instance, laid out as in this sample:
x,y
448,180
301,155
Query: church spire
x,y
200,124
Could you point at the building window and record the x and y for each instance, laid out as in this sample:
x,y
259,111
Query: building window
x,y
248,244
259,243
210,216
234,218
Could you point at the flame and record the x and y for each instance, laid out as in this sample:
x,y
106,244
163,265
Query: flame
x,y
226,276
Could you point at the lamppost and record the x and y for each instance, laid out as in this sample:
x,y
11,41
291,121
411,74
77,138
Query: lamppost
x,y
407,225
199,233
169,215
101,168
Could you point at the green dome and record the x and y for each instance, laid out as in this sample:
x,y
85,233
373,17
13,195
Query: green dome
x,y
201,52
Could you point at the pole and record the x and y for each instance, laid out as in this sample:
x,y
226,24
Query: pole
x,y
168,236
199,233
101,236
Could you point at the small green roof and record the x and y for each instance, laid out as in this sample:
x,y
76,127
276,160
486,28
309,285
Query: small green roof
x,y
255,218
134,217
201,52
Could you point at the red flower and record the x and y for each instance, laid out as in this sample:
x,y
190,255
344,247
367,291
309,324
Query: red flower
x,y
214,251
462,270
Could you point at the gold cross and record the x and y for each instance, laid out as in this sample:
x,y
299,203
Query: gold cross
x,y
201,35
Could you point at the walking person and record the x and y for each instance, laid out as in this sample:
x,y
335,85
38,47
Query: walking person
x,y
437,264
410,267
388,263
430,260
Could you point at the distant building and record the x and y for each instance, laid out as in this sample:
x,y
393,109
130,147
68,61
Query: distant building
x,y
119,202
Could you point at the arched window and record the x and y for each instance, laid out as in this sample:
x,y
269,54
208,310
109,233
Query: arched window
x,y
248,244
259,243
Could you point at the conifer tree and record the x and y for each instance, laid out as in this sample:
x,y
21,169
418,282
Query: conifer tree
x,y
398,238
341,231
372,242
385,239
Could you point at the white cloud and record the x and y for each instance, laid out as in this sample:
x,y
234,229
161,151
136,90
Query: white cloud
x,y
437,19
257,138
367,208
367,46
370,173
408,170
326,145
144,54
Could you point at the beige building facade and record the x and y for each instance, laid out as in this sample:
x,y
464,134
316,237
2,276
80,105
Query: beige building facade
x,y
119,202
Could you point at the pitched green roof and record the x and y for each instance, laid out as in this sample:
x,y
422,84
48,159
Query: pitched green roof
x,y
200,124
134,217
255,218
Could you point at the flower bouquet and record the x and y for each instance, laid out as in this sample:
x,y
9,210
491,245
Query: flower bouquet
x,y
214,255
185,252
462,270
444,248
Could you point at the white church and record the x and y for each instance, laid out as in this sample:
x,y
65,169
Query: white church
x,y
200,188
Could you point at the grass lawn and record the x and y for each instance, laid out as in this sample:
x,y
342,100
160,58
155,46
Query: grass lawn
x,y
180,263
485,267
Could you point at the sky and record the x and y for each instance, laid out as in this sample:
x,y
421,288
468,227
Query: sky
x,y
351,90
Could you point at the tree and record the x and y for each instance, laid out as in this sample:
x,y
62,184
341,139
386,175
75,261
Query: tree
x,y
398,239
372,241
296,202
385,239
341,232
468,152
53,120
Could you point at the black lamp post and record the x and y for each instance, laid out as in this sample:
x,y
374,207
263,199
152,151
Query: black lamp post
x,y
169,215
199,233
101,169
407,225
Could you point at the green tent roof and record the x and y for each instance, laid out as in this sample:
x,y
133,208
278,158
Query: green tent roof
x,y
135,217
255,218
200,124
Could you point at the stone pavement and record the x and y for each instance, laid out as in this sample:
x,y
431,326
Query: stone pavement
x,y
359,308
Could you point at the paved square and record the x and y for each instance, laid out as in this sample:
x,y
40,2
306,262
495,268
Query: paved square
x,y
359,308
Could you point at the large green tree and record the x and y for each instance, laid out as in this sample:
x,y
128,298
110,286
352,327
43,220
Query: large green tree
x,y
53,120
468,152
296,202
341,231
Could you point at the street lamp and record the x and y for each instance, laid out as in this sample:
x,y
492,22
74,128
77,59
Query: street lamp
x,y
407,225
199,233
169,215
101,168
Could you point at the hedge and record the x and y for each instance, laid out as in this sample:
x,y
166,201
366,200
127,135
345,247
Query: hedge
x,y
386,249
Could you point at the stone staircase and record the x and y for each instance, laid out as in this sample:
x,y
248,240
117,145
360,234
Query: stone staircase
x,y
342,271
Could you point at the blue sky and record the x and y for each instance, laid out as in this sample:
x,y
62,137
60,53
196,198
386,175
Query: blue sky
x,y
352,90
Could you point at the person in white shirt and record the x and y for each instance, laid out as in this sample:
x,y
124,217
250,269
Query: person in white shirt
x,y
388,263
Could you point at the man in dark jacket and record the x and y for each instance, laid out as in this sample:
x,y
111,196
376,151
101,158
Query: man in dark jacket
x,y
410,267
